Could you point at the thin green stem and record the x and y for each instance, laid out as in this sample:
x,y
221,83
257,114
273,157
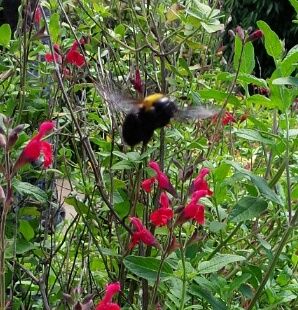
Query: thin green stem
x,y
183,293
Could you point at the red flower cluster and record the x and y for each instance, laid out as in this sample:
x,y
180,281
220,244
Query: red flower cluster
x,y
37,147
226,119
73,56
106,303
194,209
164,214
141,234
161,178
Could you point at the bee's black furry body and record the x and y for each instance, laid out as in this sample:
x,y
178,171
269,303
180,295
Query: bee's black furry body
x,y
140,123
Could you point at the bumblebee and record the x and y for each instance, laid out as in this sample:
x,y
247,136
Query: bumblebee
x,y
142,117
155,111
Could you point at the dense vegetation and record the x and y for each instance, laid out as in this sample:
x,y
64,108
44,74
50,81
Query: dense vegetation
x,y
201,217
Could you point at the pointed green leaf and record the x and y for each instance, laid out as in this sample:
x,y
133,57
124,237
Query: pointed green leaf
x,y
147,267
218,262
54,27
5,35
273,45
253,135
259,182
24,188
26,230
216,303
246,58
248,208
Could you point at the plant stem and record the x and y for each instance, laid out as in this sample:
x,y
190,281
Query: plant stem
x,y
274,260
184,273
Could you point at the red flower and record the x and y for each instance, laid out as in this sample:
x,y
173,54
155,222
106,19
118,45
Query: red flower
x,y
228,118
137,82
161,216
74,56
147,184
49,57
162,179
200,183
195,210
106,303
37,15
37,147
141,234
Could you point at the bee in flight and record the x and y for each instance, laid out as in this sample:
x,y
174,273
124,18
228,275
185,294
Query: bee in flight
x,y
153,112
156,111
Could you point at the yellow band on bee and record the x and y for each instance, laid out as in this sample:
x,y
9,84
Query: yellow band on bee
x,y
150,100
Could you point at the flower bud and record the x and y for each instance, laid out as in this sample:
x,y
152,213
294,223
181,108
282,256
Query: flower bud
x,y
231,33
240,32
254,36
13,135
2,140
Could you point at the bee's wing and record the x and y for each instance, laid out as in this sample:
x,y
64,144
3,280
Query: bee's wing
x,y
115,97
197,112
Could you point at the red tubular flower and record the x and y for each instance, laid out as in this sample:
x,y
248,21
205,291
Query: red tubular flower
x,y
147,184
73,56
37,147
141,234
37,15
137,82
200,183
164,214
195,210
228,118
49,57
162,179
106,303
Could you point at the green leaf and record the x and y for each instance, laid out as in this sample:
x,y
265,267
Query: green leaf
x,y
216,303
213,27
295,5
273,45
24,188
248,208
262,101
259,182
219,96
147,267
246,59
122,165
253,135
245,78
79,206
26,230
21,247
5,35
54,27
289,80
218,262
288,64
